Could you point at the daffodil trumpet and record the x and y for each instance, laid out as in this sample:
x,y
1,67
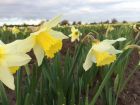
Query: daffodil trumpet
x,y
47,42
102,53
15,30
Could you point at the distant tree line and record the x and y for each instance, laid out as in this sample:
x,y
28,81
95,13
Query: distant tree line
x,y
66,22
113,21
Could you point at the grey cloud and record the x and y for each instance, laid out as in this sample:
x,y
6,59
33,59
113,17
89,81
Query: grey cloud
x,y
72,10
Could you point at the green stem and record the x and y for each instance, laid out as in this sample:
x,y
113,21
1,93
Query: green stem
x,y
75,60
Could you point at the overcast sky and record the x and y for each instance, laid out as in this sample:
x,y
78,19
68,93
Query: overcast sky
x,y
83,10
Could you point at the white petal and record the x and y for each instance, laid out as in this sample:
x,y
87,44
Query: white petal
x,y
113,41
112,50
121,39
21,46
70,35
52,23
89,60
7,78
78,39
1,43
39,53
101,47
17,59
118,51
58,35
73,39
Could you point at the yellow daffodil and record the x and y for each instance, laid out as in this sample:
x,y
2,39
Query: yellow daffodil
x,y
12,56
47,41
102,53
75,34
15,30
111,28
4,28
136,28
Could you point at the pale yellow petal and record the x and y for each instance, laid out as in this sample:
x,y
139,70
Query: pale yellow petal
x,y
113,41
7,78
17,59
57,34
105,46
39,53
70,35
112,50
101,47
73,29
89,60
1,43
73,39
21,46
52,23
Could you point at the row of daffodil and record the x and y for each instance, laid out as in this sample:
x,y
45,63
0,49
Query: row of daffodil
x,y
47,42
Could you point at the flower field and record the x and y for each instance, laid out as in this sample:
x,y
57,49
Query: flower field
x,y
51,64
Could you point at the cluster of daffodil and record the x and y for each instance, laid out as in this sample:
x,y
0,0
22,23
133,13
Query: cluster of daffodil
x,y
44,42
4,28
109,29
47,42
15,30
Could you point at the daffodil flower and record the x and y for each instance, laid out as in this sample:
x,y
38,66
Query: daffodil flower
x,y
15,30
102,53
75,34
4,28
47,41
12,56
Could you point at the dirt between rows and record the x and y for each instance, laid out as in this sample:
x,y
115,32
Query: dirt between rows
x,y
131,94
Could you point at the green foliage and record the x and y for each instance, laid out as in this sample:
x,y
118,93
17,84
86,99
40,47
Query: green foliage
x,y
63,81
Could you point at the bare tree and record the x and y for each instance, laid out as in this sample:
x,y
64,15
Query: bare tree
x,y
74,23
65,22
114,20
79,22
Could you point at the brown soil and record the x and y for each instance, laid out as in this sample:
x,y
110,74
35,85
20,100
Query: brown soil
x,y
131,94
